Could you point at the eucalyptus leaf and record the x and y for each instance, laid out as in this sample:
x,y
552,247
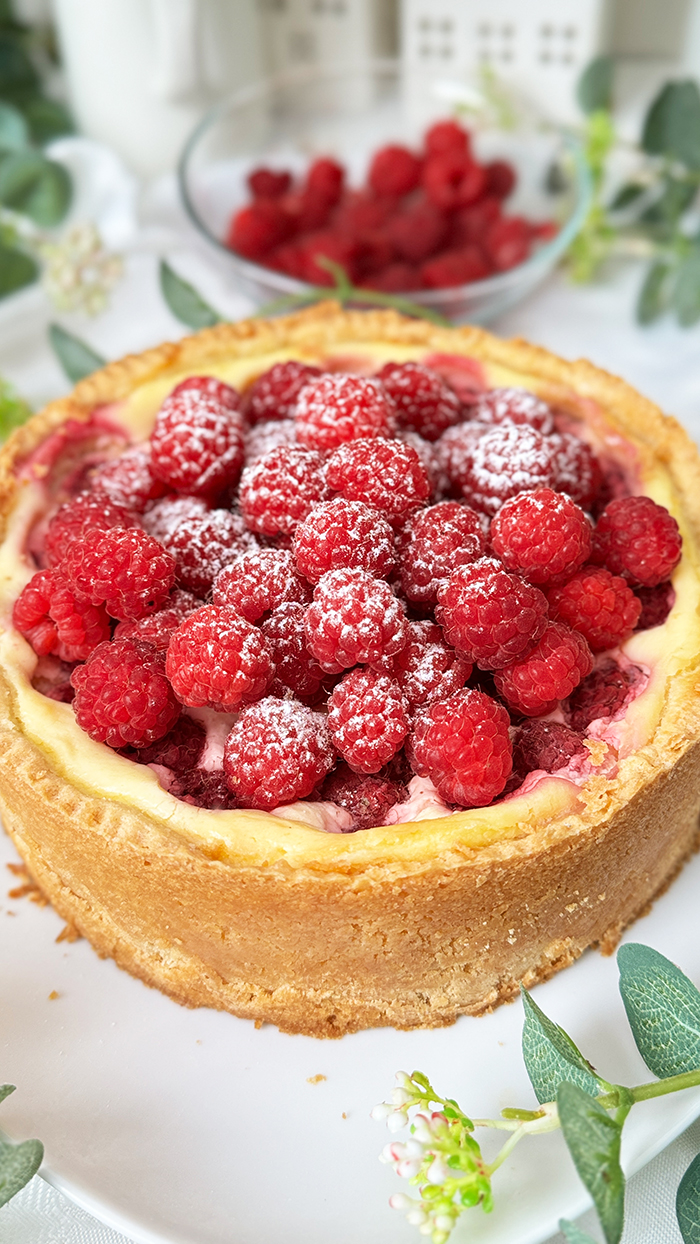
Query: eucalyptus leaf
x,y
663,1009
185,303
17,1165
5,1090
574,1234
686,295
551,1056
672,124
655,294
688,1203
38,187
17,269
18,76
627,195
76,358
47,119
677,195
594,89
593,1139
14,132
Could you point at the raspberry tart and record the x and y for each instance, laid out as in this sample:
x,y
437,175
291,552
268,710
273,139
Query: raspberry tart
x,y
349,665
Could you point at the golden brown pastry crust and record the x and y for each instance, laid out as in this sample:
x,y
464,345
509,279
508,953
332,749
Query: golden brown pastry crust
x,y
365,933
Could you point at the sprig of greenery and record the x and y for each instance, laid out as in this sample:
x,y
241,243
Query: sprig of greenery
x,y
443,1159
14,411
18,1163
76,357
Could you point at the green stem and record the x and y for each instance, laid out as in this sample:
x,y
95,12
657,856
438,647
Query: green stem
x,y
672,1084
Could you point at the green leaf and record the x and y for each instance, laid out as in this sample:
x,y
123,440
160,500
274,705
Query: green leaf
x,y
47,119
672,124
18,77
593,1139
551,1056
677,196
185,303
688,1203
663,1008
627,195
14,134
574,1234
76,358
5,1090
14,411
17,1165
686,295
38,187
594,89
17,269
655,294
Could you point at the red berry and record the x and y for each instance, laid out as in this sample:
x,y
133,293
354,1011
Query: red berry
x,y
427,669
205,789
446,136
266,436
547,745
325,180
257,582
509,460
209,386
87,511
508,242
455,449
424,403
638,539
547,673
367,719
279,490
514,406
386,474
394,171
180,749
127,571
203,544
603,694
396,278
657,602
343,534
197,444
463,374
56,621
295,668
156,628
257,229
338,408
122,696
269,183
599,605
276,752
362,212
452,180
463,745
500,178
441,538
217,659
274,394
430,459
578,471
491,617
543,535
128,480
469,224
455,267
354,619
366,797
417,231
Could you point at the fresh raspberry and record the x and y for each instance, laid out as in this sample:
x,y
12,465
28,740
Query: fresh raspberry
x,y
578,471
278,491
469,224
204,544
354,619
463,374
548,745
423,401
295,668
386,474
327,244
276,752
490,617
164,517
366,797
514,406
463,745
455,267
417,232
217,659
209,386
367,719
452,180
266,436
506,461
603,694
156,628
657,602
543,535
122,696
86,512
599,605
197,444
338,408
446,136
54,620
638,539
441,538
455,450
274,394
180,749
258,582
258,229
396,278
362,212
508,242
430,459
205,789
344,534
127,571
427,668
128,479
394,171
268,183
500,178
547,673
325,180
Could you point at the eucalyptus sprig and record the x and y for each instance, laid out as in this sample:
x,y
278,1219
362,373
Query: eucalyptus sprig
x,y
18,1163
444,1161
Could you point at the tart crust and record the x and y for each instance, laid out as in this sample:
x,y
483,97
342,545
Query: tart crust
x,y
412,925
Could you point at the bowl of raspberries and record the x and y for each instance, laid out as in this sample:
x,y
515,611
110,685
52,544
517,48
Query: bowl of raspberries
x,y
362,170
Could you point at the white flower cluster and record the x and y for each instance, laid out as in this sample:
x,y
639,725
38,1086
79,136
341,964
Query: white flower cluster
x,y
79,271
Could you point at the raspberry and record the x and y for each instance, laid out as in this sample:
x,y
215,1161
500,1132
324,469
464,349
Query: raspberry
x,y
266,436
455,449
446,136
500,178
441,538
638,539
362,212
463,374
276,752
578,471
542,534
396,278
122,696
127,571
268,183
508,242
548,745
366,797
278,491
603,694
394,171
87,511
327,244
455,267
386,474
509,460
217,659
209,386
462,744
128,480
367,719
180,749
338,408
490,616
295,668
427,669
428,453
274,394
548,673
256,230
423,401
197,444
205,789
258,582
469,224
354,619
657,602
56,621
417,232
156,628
452,180
343,534
325,180
599,605
204,544
164,517
514,406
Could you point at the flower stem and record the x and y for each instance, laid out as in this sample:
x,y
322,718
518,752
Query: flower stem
x,y
672,1084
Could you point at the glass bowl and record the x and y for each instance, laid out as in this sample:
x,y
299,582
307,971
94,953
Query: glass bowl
x,y
348,112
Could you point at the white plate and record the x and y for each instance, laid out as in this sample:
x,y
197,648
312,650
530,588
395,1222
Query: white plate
x,y
193,1127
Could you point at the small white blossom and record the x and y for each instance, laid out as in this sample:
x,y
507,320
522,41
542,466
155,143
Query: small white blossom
x,y
80,272
417,1217
397,1120
438,1171
381,1112
404,1080
400,1201
400,1097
